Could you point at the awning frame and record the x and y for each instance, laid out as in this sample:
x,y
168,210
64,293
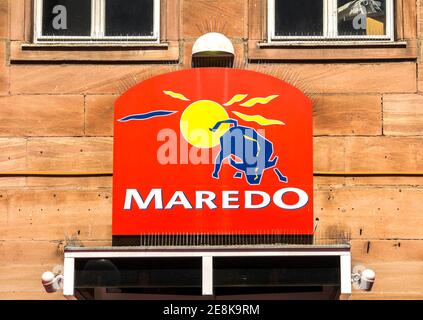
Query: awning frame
x,y
207,254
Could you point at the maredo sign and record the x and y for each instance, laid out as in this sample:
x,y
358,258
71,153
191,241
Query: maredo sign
x,y
213,151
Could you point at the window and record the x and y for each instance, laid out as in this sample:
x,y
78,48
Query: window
x,y
330,20
97,20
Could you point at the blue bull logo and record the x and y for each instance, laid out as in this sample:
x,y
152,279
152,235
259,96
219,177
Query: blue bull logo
x,y
254,153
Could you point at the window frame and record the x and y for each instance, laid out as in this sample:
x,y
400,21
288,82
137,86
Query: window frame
x,y
330,26
98,27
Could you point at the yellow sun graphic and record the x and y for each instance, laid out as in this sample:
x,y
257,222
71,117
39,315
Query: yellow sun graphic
x,y
199,118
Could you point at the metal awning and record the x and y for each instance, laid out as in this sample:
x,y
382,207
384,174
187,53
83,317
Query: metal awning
x,y
207,269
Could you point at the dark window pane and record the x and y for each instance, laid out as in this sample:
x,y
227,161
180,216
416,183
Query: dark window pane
x,y
276,272
298,17
148,273
361,18
75,20
129,17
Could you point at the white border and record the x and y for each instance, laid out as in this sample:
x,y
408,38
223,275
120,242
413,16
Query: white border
x,y
207,261
69,276
207,275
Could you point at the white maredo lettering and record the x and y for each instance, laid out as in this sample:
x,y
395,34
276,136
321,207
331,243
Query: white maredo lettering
x,y
206,199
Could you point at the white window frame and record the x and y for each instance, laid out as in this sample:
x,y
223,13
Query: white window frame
x,y
98,27
330,25
72,254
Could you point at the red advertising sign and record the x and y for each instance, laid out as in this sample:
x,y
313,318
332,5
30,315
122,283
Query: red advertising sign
x,y
213,151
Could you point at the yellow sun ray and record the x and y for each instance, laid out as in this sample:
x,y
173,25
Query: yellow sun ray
x,y
176,95
254,101
236,99
258,119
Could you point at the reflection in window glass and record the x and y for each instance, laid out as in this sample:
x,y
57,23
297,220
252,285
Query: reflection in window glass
x,y
361,18
298,17
66,18
129,17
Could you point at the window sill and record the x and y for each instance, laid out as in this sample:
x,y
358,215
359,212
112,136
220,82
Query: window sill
x,y
339,43
93,45
94,52
333,50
